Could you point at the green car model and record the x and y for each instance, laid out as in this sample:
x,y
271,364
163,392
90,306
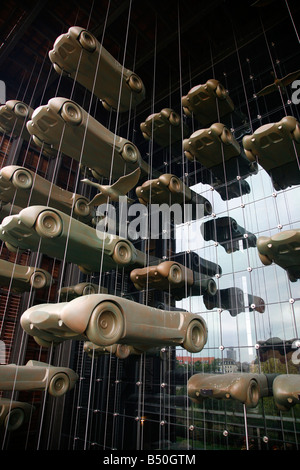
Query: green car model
x,y
60,236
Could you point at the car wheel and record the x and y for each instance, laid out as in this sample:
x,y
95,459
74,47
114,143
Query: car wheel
x,y
135,83
71,113
21,110
87,41
38,280
12,248
175,185
14,419
296,133
22,179
174,119
189,155
196,336
253,394
175,275
249,155
226,136
122,253
129,153
48,224
81,207
59,384
89,289
123,351
211,288
106,324
264,259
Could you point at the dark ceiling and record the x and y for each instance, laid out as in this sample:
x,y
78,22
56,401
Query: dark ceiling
x,y
164,42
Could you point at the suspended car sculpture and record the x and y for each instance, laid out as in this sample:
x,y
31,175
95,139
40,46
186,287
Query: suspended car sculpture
x,y
181,280
246,388
228,233
164,128
82,288
65,126
286,391
79,55
106,320
25,187
37,375
276,146
14,414
61,236
208,102
233,300
283,250
21,278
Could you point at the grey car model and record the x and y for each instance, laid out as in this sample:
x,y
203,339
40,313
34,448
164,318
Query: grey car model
x,y
14,414
65,126
106,320
121,351
247,388
25,187
286,391
36,375
276,147
21,278
61,236
79,55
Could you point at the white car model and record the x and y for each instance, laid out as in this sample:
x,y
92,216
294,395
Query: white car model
x,y
60,236
65,126
79,55
37,375
25,187
106,320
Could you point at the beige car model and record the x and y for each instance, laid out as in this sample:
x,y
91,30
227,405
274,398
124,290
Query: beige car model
x,y
286,391
217,149
246,388
164,128
181,280
14,115
37,375
14,414
79,55
276,147
283,250
121,351
65,126
170,189
22,278
233,300
61,236
82,288
106,320
25,187
208,102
